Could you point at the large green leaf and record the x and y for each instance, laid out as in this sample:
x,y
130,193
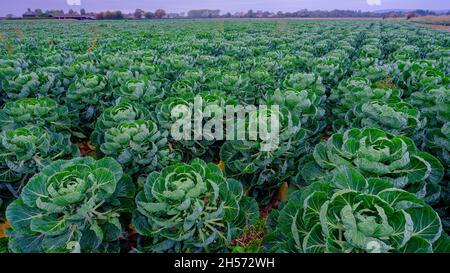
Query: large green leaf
x,y
427,224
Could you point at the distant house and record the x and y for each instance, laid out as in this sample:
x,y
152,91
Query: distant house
x,y
29,14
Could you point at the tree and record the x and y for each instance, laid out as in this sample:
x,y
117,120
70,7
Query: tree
x,y
411,15
108,15
250,14
57,12
82,11
149,15
421,12
194,14
303,13
38,12
118,15
203,13
160,13
138,14
100,16
72,12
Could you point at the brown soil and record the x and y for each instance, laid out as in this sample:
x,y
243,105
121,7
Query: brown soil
x,y
445,28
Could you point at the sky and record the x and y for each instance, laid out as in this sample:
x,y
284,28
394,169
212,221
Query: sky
x,y
17,7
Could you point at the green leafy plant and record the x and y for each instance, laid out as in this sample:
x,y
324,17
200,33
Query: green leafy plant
x,y
139,146
370,69
433,104
264,170
3,245
113,116
191,208
111,62
88,95
25,151
204,148
140,90
147,67
51,83
71,206
442,245
10,68
181,87
305,81
330,68
350,213
262,82
419,76
174,65
42,112
354,92
21,86
237,85
438,142
378,154
370,51
76,70
395,118
305,104
119,76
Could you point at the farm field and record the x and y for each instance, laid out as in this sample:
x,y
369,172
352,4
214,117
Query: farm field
x,y
435,22
89,161
435,19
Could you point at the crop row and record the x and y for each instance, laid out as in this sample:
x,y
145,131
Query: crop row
x,y
363,155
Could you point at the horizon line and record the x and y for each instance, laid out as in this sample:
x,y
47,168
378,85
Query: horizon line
x,y
222,12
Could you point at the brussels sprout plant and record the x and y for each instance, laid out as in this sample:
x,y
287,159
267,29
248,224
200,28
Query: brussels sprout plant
x,y
376,153
350,213
71,206
191,208
25,151
139,146
40,112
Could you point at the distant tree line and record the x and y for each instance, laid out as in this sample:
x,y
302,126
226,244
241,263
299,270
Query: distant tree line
x,y
208,13
304,13
203,13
